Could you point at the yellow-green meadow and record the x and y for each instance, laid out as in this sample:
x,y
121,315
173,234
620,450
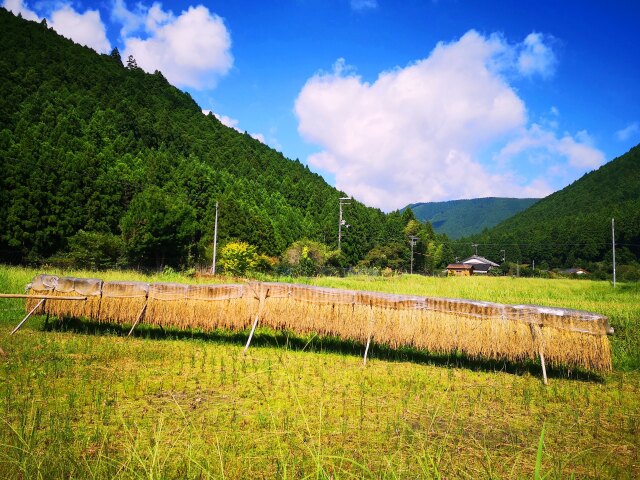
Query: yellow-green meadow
x,y
80,399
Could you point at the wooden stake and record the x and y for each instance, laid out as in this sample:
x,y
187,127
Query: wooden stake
x,y
544,368
366,351
371,322
262,299
536,333
28,315
144,307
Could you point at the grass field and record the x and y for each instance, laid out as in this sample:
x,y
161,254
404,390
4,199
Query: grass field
x,y
80,400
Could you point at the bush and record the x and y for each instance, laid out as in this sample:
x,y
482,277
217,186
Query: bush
x,y
237,258
305,257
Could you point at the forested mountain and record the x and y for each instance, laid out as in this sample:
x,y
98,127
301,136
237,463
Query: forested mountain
x,y
460,218
98,156
572,227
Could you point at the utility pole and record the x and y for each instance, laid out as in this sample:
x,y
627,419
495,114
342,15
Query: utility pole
x,y
412,240
504,255
342,201
613,244
476,247
215,242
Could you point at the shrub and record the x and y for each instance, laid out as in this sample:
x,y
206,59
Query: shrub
x,y
237,258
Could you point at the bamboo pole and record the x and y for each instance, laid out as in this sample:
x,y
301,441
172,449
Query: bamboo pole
x,y
263,298
44,297
138,319
536,333
366,351
371,322
28,315
544,368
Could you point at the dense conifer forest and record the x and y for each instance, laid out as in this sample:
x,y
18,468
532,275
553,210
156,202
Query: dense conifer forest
x,y
104,165
462,218
572,227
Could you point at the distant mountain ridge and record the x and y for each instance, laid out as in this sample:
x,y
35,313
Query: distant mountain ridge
x,y
572,227
461,218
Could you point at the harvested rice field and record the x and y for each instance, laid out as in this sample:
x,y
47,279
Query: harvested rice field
x,y
78,399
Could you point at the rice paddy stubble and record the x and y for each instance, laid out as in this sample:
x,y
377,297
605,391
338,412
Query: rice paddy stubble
x,y
68,396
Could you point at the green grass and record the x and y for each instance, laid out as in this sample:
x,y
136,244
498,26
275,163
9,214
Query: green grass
x,y
80,400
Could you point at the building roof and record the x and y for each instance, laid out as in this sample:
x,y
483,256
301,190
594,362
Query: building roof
x,y
460,266
574,271
476,260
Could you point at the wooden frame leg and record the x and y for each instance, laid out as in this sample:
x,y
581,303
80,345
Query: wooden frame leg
x,y
372,321
544,368
144,308
262,299
536,333
366,351
27,317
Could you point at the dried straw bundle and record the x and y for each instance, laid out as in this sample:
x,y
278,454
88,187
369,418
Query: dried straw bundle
x,y
324,311
70,286
122,302
570,337
167,305
41,284
218,306
440,325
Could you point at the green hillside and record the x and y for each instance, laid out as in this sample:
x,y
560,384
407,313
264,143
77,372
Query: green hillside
x,y
460,218
572,227
97,155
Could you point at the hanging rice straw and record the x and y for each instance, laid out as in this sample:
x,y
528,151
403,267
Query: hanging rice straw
x,y
218,306
122,301
440,325
65,287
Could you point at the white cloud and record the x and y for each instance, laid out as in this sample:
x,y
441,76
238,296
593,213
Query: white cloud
x,y
131,21
83,28
233,123
537,142
359,5
420,133
18,7
191,50
628,132
228,121
536,57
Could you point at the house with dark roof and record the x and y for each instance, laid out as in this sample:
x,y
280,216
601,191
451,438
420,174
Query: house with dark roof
x,y
480,264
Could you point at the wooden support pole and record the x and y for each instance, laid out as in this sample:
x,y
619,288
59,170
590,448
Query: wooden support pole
x,y
44,297
28,315
536,333
544,368
144,308
253,329
366,351
371,322
262,299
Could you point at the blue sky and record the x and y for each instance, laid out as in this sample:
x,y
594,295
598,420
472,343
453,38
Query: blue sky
x,y
395,102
